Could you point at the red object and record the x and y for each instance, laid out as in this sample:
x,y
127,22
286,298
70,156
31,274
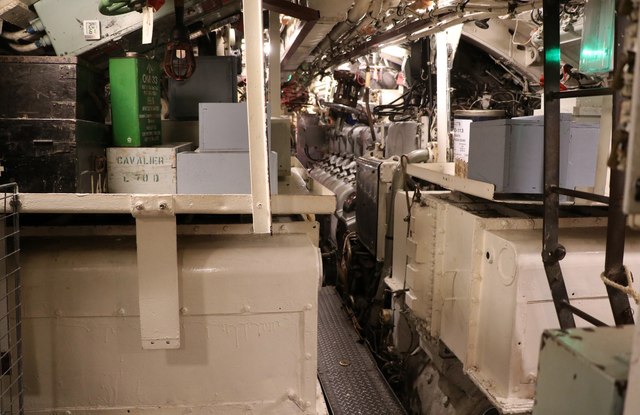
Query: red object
x,y
156,4
562,86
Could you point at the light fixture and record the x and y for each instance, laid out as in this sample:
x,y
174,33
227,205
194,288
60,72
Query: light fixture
x,y
179,60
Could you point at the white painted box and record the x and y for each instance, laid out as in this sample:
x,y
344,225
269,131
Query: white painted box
x,y
144,169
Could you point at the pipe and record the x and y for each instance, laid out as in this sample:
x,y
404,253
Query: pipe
x,y
355,14
34,27
374,12
30,47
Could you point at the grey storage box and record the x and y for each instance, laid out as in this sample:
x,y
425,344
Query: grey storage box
x,y
220,173
509,153
144,169
224,127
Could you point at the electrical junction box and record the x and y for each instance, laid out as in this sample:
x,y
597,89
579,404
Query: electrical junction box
x,y
584,371
64,21
220,173
509,153
144,169
135,101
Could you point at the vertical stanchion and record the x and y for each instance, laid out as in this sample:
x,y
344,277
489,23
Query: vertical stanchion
x,y
258,153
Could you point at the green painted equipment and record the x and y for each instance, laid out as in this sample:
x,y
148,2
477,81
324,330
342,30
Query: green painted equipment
x,y
135,101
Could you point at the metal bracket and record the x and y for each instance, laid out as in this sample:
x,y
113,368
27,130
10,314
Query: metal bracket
x,y
158,294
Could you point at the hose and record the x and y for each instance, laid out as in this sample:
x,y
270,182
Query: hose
x,y
30,47
34,27
116,7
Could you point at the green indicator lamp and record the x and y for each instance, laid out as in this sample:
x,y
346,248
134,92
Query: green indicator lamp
x,y
596,51
552,55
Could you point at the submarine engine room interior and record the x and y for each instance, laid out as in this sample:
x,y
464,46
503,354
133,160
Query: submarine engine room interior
x,y
319,207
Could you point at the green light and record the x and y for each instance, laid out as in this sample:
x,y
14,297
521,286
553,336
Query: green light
x,y
593,54
552,55
596,51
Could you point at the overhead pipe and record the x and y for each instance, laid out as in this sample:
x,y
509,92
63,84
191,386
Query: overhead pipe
x,y
356,13
374,12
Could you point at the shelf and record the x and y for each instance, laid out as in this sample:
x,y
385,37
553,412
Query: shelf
x,y
442,175
293,198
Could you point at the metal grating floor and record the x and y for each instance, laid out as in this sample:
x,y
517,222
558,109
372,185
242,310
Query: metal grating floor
x,y
348,373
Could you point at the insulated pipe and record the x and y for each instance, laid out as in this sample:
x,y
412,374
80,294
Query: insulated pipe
x,y
355,14
34,27
30,47
375,9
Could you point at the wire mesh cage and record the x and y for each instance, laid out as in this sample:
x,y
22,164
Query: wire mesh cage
x,y
11,379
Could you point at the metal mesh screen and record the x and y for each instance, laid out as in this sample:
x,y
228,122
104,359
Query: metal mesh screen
x,y
11,380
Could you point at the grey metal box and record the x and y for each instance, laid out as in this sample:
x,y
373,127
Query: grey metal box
x,y
214,80
220,173
509,153
583,371
281,143
64,19
223,127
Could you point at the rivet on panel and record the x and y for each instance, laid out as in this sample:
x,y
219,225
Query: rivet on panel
x,y
246,308
259,205
139,206
308,307
58,313
226,228
184,310
292,395
307,356
121,311
283,227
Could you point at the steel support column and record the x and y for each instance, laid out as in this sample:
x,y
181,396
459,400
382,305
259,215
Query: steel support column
x,y
616,226
552,251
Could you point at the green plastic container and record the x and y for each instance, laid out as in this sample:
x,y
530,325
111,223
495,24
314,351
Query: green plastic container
x,y
135,101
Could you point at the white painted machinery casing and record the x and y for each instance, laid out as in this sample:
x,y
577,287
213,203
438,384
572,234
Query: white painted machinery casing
x,y
478,282
248,308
